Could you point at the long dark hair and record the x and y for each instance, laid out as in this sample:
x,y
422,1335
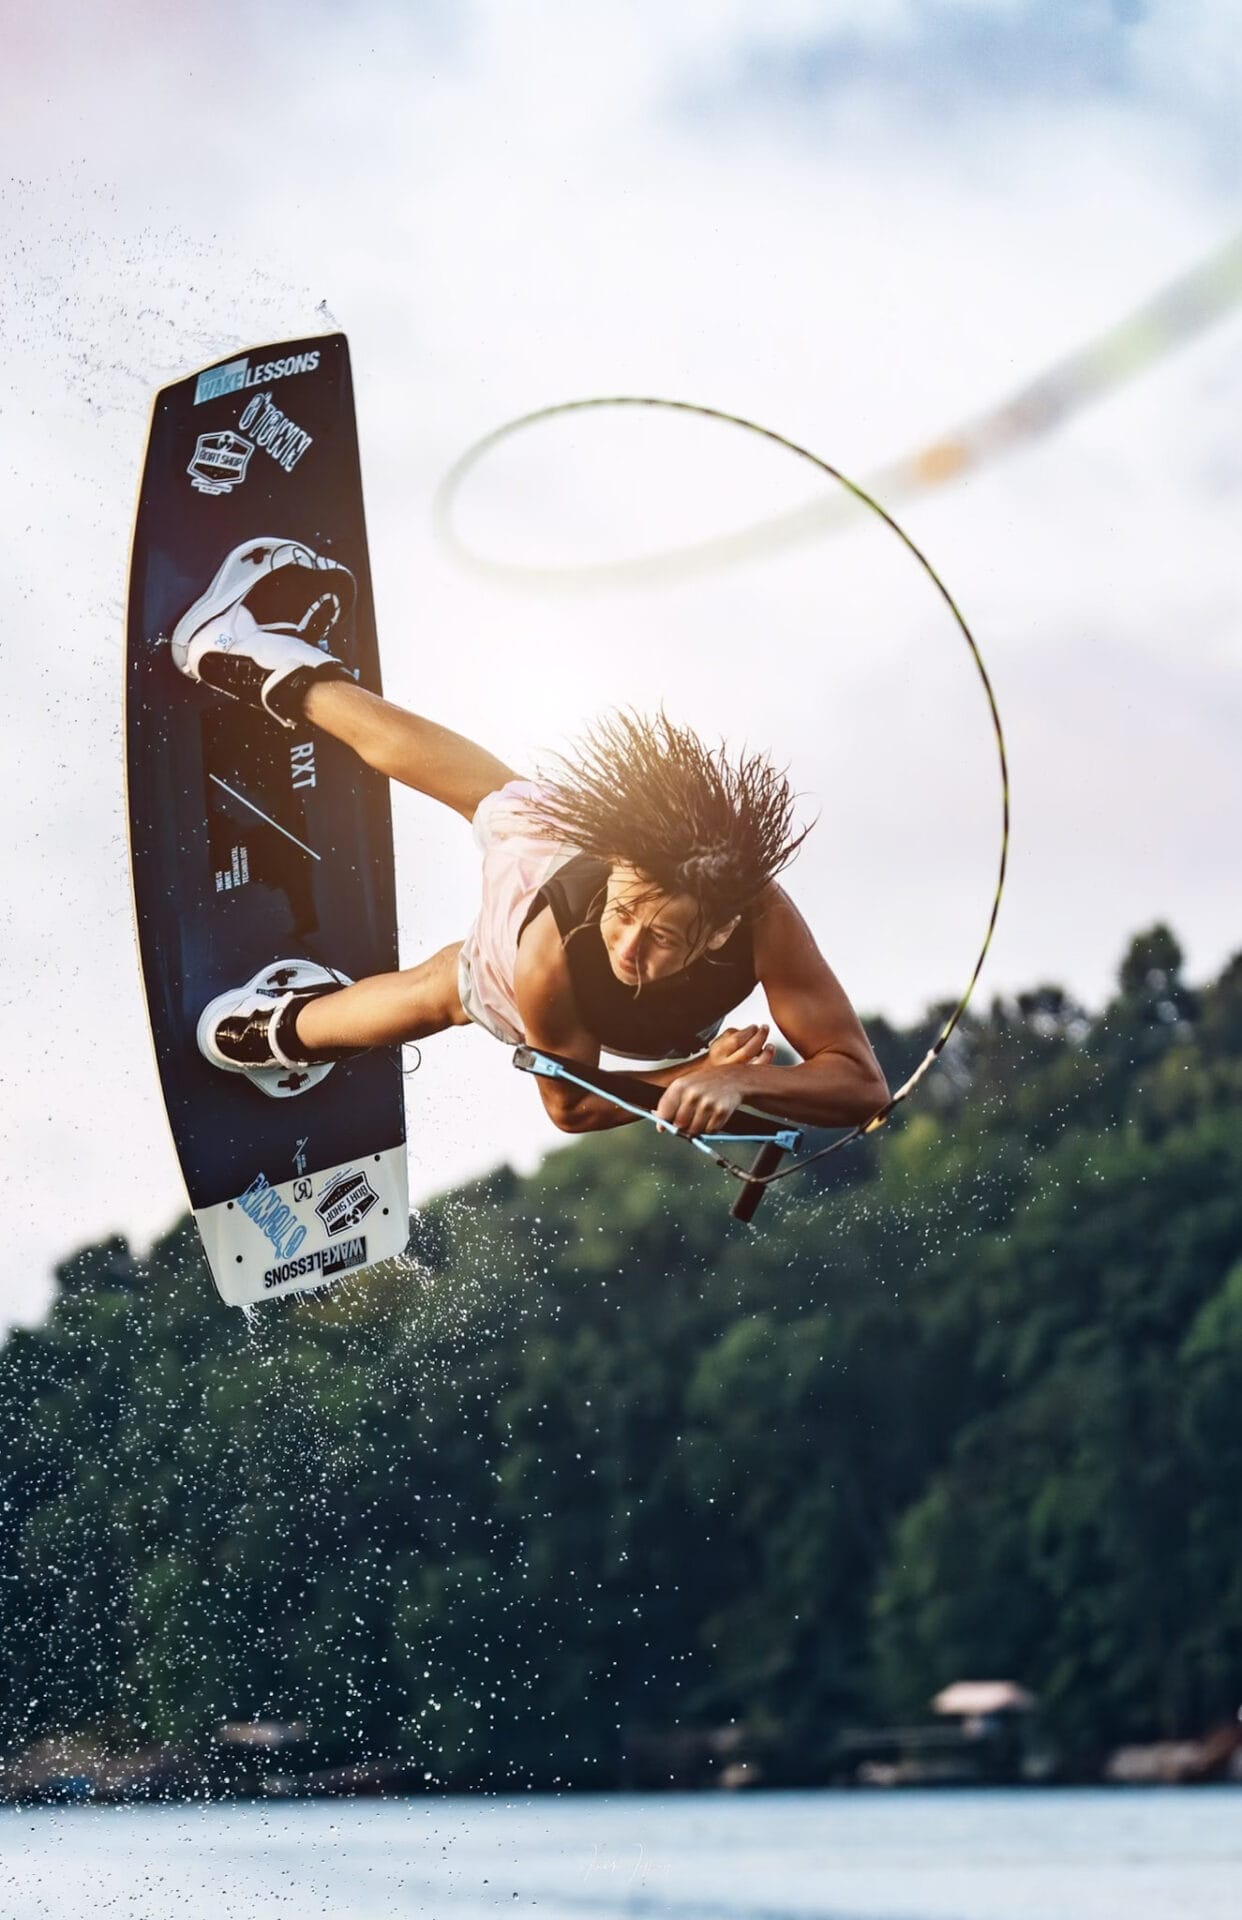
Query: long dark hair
x,y
688,817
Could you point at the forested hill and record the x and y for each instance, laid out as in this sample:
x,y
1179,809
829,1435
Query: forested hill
x,y
597,1460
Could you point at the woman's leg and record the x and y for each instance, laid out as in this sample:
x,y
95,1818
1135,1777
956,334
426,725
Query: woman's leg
x,y
406,747
386,1008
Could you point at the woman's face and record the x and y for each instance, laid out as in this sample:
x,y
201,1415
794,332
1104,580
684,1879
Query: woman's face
x,y
648,934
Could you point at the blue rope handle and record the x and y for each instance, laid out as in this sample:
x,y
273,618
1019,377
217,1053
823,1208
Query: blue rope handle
x,y
549,1067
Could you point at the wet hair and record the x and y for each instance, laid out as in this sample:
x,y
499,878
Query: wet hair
x,y
690,818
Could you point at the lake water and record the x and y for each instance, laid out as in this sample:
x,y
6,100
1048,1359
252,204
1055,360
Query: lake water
x,y
1033,1855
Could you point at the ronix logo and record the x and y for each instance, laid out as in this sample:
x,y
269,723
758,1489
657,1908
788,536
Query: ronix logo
x,y
236,375
346,1200
262,1204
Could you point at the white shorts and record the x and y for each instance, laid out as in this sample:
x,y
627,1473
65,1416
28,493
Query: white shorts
x,y
518,856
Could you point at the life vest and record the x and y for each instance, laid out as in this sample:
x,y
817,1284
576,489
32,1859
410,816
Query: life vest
x,y
666,1019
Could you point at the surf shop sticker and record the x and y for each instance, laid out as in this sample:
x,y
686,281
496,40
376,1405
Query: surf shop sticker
x,y
220,461
346,1200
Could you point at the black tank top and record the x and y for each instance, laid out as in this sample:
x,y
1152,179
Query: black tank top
x,y
669,1018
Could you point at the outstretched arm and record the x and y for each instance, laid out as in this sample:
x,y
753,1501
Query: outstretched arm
x,y
836,1083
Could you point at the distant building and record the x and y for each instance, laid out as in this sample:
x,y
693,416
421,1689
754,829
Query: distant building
x,y
982,1699
982,1735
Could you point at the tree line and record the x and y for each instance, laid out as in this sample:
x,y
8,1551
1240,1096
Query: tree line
x,y
592,1462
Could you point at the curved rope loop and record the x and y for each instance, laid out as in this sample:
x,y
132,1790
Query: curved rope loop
x,y
616,573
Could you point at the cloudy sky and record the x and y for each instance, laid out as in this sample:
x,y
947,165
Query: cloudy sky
x,y
859,221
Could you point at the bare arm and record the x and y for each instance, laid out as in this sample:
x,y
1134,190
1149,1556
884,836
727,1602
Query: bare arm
x,y
551,1021
836,1083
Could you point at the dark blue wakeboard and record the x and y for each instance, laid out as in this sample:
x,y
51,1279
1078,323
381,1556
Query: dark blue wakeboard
x,y
250,842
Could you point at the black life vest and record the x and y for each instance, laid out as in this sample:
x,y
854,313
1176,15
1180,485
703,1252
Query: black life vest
x,y
668,1019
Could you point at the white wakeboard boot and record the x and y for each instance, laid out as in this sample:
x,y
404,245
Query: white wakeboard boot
x,y
266,618
251,1029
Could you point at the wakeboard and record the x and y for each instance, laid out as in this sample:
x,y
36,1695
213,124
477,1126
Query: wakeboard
x,y
251,843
